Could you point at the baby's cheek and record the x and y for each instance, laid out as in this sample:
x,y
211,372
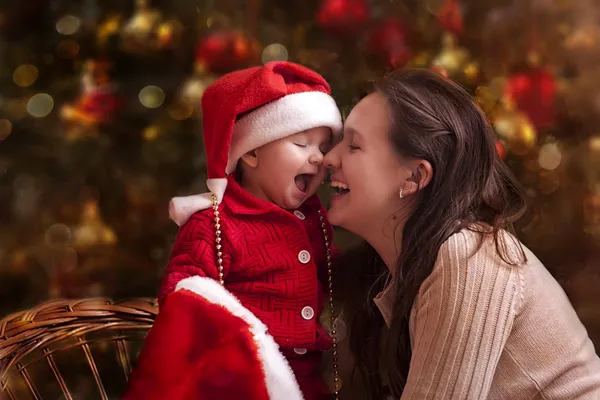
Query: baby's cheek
x,y
322,174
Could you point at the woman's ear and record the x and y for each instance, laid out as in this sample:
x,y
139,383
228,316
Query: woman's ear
x,y
250,159
420,176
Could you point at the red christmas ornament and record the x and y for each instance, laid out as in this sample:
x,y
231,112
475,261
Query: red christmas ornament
x,y
344,17
101,105
98,102
501,149
225,51
440,71
534,91
450,17
389,41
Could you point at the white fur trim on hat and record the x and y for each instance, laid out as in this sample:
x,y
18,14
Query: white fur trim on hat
x,y
182,208
283,117
279,377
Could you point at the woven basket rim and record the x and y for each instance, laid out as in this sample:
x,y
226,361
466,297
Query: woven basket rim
x,y
53,321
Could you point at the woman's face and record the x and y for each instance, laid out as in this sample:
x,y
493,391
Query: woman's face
x,y
365,165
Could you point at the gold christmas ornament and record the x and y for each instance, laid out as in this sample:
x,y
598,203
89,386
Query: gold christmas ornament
x,y
148,31
594,145
92,231
584,37
525,138
453,58
515,128
421,60
192,91
486,99
110,27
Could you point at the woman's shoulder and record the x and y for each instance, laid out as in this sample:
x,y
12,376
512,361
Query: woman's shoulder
x,y
474,258
502,249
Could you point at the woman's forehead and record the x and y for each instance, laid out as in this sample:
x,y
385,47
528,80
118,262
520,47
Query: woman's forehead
x,y
370,114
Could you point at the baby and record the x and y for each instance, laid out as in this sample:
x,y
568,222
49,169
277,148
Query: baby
x,y
250,269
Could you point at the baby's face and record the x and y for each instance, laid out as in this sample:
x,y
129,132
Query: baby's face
x,y
290,170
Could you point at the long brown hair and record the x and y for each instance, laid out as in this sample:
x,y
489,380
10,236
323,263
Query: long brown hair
x,y
436,120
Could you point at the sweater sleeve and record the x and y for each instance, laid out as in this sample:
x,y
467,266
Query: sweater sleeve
x,y
461,320
194,253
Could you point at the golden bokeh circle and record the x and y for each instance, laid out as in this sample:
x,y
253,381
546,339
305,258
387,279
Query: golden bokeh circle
x,y
40,105
25,75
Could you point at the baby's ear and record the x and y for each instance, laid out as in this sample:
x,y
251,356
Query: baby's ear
x,y
250,159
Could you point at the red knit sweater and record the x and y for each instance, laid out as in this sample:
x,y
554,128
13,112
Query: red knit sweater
x,y
274,263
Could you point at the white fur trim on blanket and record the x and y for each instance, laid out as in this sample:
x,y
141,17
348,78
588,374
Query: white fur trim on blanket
x,y
286,116
280,380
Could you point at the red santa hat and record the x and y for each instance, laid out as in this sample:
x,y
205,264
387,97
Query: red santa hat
x,y
206,345
247,109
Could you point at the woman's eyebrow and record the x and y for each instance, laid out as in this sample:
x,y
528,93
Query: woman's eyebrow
x,y
351,131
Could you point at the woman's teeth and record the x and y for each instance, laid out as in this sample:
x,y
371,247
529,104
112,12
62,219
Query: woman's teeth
x,y
341,187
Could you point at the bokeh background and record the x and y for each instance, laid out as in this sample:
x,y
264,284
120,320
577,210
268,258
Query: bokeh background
x,y
100,120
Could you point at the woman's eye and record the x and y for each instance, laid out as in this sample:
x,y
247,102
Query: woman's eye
x,y
353,147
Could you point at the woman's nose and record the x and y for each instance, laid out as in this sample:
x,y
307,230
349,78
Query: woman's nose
x,y
331,159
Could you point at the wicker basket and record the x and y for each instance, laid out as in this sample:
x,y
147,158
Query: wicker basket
x,y
72,349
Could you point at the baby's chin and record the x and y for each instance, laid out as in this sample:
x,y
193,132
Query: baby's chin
x,y
292,202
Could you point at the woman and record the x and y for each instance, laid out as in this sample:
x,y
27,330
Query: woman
x,y
450,305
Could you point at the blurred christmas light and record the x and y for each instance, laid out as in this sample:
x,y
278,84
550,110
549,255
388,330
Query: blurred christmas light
x,y
108,28
68,25
25,197
274,52
5,129
58,236
471,70
549,156
180,110
25,75
67,259
151,133
16,108
67,49
40,105
549,182
151,96
594,144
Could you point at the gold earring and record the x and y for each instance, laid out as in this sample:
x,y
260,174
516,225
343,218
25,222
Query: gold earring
x,y
401,195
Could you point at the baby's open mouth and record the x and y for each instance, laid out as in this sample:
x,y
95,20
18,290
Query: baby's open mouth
x,y
302,181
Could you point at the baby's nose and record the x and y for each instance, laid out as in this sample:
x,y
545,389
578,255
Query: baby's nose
x,y
316,158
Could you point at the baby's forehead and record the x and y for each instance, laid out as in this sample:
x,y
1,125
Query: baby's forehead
x,y
320,133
